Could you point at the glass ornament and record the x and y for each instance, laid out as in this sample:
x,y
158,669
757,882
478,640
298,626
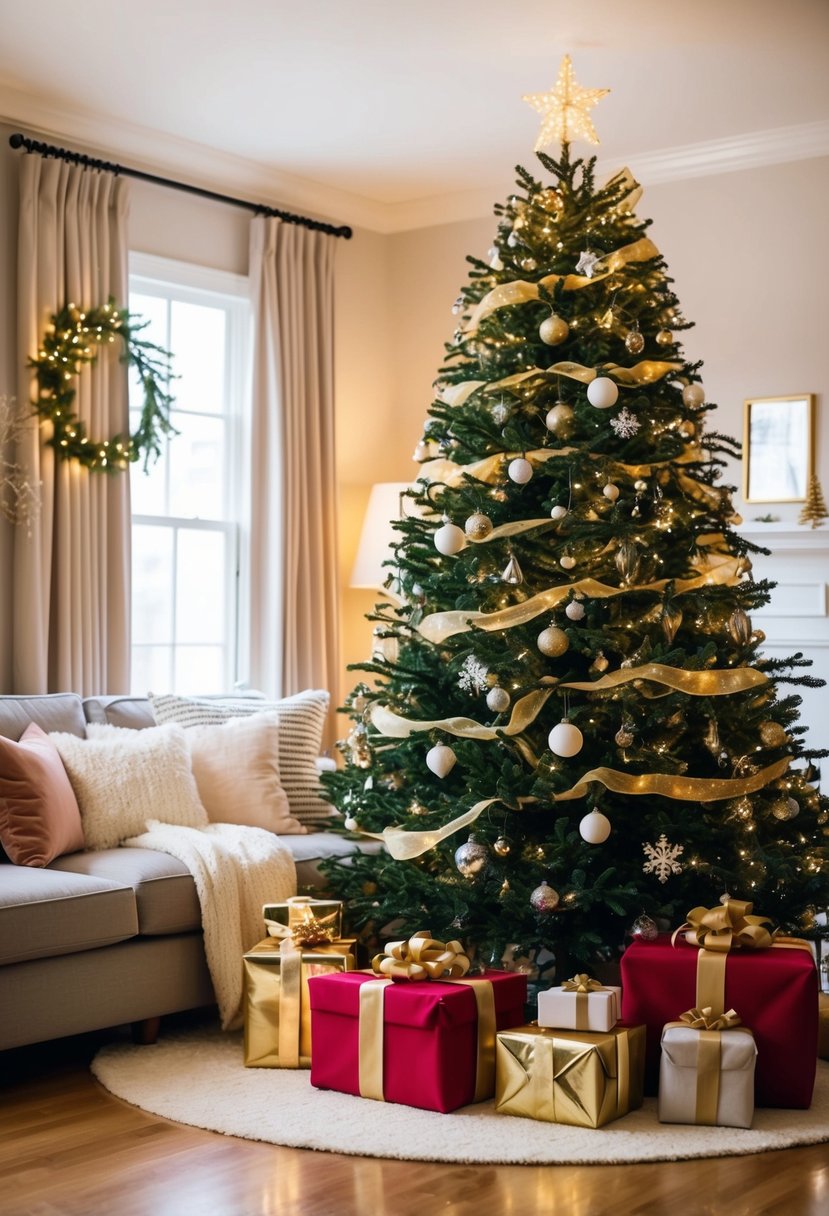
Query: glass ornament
x,y
602,393
664,337
670,619
565,740
544,898
553,641
644,928
502,846
628,561
512,574
472,857
478,526
624,736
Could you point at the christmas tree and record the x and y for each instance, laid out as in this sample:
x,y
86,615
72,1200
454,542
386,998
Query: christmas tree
x,y
814,510
568,670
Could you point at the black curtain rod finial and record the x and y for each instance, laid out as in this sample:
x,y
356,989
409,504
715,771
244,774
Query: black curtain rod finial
x,y
89,162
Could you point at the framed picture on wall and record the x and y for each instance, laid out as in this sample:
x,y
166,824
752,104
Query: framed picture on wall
x,y
778,448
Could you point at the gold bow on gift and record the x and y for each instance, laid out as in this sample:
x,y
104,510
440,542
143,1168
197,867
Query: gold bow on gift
x,y
582,983
421,958
706,1019
729,924
304,928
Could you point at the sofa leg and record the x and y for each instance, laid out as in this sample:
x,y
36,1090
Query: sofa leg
x,y
146,1031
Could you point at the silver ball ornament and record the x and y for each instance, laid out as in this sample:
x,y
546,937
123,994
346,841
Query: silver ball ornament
x,y
693,395
471,858
553,641
574,611
602,393
544,898
502,846
498,699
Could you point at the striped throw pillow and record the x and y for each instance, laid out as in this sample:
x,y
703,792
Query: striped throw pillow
x,y
301,723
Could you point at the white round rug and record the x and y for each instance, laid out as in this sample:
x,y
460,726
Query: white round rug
x,y
197,1077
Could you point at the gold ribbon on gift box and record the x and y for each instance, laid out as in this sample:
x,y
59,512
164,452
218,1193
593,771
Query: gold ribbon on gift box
x,y
582,985
303,923
716,931
709,1050
421,957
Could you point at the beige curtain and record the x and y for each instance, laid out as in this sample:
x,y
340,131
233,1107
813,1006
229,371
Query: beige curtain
x,y
294,627
71,616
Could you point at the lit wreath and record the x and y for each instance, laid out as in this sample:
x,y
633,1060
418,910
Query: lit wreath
x,y
69,345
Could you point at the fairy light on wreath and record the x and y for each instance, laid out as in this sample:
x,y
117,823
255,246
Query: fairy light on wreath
x,y
71,344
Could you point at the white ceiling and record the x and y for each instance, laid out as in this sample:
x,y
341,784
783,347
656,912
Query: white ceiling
x,y
389,113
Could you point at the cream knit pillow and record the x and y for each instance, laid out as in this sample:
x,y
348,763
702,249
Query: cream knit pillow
x,y
236,766
122,778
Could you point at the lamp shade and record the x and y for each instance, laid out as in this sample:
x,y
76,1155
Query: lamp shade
x,y
378,535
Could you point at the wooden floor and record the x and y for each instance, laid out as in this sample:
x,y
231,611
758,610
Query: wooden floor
x,y
68,1148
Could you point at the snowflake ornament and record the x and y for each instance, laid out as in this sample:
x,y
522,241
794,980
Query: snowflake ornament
x,y
473,676
586,264
662,858
625,424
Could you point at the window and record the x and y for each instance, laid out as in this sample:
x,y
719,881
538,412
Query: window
x,y
188,522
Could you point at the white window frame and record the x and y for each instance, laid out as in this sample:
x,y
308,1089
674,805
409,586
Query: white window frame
x,y
187,281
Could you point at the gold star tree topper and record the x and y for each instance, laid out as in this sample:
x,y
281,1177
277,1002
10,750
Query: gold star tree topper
x,y
565,110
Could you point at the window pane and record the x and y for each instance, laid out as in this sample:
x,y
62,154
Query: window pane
x,y
199,669
197,489
152,584
148,490
153,311
152,670
201,587
198,338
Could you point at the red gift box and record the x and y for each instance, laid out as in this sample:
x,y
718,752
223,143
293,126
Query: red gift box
x,y
774,991
429,1035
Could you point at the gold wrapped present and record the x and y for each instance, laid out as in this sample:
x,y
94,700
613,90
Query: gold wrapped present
x,y
308,921
577,1077
277,1004
706,1075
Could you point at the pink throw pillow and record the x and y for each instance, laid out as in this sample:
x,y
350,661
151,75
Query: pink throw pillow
x,y
39,816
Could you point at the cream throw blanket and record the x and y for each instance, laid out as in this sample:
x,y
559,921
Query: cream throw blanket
x,y
236,870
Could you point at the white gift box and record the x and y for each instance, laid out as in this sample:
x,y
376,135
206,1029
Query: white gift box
x,y
730,1082
597,1009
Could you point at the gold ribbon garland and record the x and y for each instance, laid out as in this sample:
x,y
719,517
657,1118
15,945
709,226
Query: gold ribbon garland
x,y
521,292
422,957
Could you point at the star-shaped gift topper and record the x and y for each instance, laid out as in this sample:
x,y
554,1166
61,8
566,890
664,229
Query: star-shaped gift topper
x,y
565,110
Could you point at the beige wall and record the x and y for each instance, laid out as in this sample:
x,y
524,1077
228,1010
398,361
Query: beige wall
x,y
748,252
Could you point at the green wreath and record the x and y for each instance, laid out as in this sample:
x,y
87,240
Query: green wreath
x,y
70,344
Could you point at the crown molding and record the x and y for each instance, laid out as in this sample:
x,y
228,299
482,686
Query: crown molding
x,y
211,169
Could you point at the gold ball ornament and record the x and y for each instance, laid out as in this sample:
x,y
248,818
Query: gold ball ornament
x,y
553,330
544,898
502,846
478,526
635,342
559,419
628,561
693,395
772,734
553,642
785,808
664,337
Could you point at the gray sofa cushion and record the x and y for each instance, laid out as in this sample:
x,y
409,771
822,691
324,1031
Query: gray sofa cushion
x,y
52,711
134,713
44,912
165,894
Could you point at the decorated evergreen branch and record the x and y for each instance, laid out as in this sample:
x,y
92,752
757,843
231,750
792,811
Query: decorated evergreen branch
x,y
571,730
71,344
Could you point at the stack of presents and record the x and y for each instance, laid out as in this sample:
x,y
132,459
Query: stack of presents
x,y
717,1018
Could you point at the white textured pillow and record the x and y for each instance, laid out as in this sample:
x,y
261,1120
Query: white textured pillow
x,y
301,722
122,778
236,766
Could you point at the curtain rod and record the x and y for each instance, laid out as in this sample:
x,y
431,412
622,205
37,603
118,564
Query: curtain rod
x,y
89,162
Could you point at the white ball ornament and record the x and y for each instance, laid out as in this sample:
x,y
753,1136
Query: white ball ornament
x,y
350,823
567,562
558,512
693,395
574,611
498,699
553,330
595,827
449,539
602,392
565,740
611,492
520,471
440,760
553,642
